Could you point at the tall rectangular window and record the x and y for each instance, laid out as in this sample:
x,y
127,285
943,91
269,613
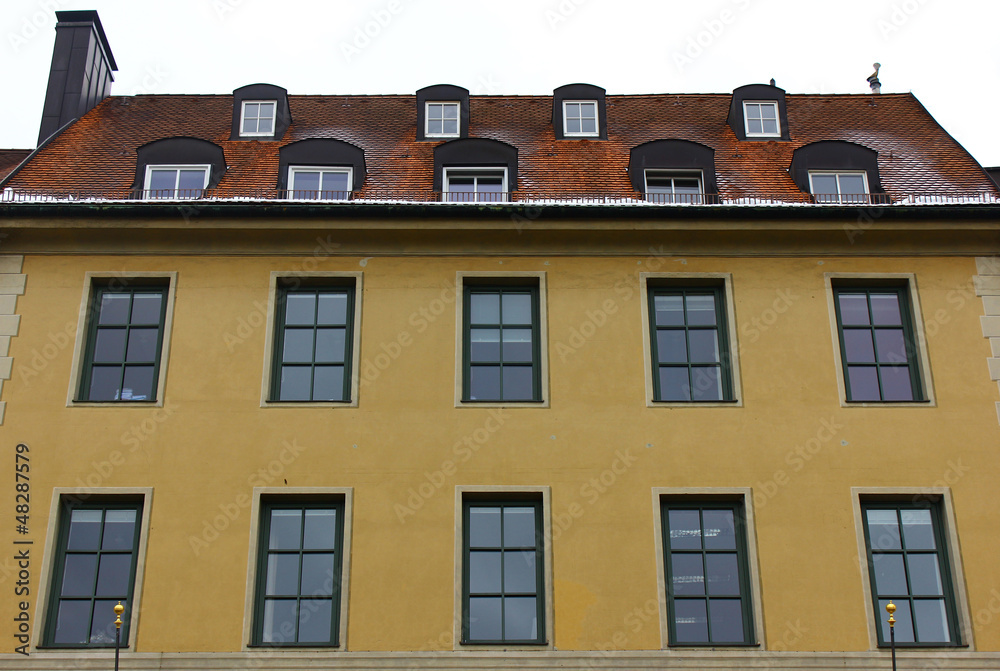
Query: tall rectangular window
x,y
124,343
299,574
580,117
503,594
313,343
94,569
689,344
877,345
707,579
442,120
501,348
908,565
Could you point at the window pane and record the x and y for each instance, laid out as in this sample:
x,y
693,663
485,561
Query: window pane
x,y
700,310
191,180
520,619
852,184
904,622
727,620
279,621
113,575
315,621
674,384
671,346
305,181
163,181
73,623
485,308
885,310
770,126
518,383
484,572
883,529
517,345
891,345
78,575
519,572
858,345
754,126
516,308
300,309
317,574
138,384
84,530
105,383
332,309
704,345
286,529
572,125
853,309
141,345
282,575
114,309
335,184
320,530
931,621
890,579
723,578
863,381
685,529
484,383
146,308
435,126
102,629
588,125
119,530
720,530
918,531
298,346
706,385
110,345
449,111
896,385
484,345
687,573
450,126
519,527
296,383
691,621
330,345
484,527
669,310
925,575
484,618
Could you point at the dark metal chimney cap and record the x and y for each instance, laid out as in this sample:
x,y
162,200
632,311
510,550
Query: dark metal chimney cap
x,y
89,16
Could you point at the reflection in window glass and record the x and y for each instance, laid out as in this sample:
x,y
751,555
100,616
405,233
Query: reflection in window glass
x,y
501,348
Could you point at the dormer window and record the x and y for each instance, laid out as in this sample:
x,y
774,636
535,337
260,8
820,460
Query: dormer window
x,y
475,185
761,119
176,181
258,118
674,187
442,119
316,183
839,187
580,118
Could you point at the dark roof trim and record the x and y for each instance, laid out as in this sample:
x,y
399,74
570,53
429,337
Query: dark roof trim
x,y
90,16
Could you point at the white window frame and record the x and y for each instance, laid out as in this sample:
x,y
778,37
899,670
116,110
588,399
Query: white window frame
x,y
147,195
292,169
672,175
837,198
505,194
597,120
427,118
777,118
243,116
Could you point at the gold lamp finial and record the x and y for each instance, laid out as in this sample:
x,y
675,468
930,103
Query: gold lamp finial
x,y
119,609
891,608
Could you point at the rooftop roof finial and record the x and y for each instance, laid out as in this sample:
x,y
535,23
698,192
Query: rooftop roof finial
x,y
772,81
873,80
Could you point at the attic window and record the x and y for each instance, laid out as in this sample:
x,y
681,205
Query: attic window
x,y
315,183
761,119
176,181
674,187
475,185
442,119
257,118
580,118
839,187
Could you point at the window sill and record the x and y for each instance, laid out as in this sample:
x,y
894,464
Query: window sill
x,y
501,647
502,404
928,403
158,403
732,403
710,646
76,648
309,404
306,647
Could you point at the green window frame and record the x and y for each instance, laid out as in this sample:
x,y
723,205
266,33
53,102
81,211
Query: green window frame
x,y
94,569
313,343
299,574
877,344
501,344
707,576
503,594
124,345
908,564
689,344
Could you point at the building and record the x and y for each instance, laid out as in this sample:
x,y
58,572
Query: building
x,y
452,381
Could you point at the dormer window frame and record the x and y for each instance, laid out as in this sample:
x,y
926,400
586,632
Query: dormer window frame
x,y
258,132
839,197
581,133
760,103
673,197
321,169
457,118
477,170
147,193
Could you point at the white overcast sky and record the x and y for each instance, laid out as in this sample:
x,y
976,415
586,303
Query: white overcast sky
x,y
944,51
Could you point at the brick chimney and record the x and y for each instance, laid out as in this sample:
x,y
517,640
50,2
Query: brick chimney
x,y
81,73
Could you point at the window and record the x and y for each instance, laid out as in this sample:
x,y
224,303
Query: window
x,y
839,187
176,181
258,118
502,593
471,185
877,345
689,344
94,569
707,579
299,574
501,343
580,117
442,120
124,343
667,187
761,119
307,183
909,566
314,338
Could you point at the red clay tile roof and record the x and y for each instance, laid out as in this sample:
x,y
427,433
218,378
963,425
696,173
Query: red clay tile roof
x,y
10,158
915,155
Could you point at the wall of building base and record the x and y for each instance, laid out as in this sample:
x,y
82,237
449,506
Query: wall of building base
x,y
721,660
